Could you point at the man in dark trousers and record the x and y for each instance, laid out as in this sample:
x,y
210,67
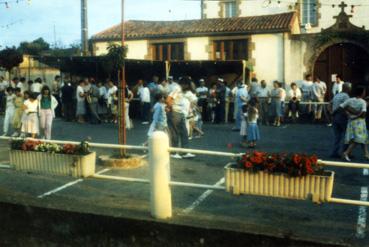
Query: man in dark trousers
x,y
339,120
68,101
220,101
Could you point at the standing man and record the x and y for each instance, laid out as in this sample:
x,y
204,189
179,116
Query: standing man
x,y
22,84
144,94
306,90
154,89
176,103
339,120
55,89
242,96
228,99
319,90
263,95
254,87
220,101
337,85
202,93
67,97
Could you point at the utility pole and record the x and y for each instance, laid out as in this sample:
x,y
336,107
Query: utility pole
x,y
122,92
84,28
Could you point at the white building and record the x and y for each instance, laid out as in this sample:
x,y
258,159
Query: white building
x,y
280,39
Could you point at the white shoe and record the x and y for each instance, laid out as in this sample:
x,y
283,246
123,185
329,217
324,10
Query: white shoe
x,y
176,156
145,123
329,125
23,135
189,155
190,138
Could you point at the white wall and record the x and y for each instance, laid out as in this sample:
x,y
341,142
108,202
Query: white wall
x,y
212,9
136,49
198,48
268,56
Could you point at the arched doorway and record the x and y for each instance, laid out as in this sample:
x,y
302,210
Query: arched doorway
x,y
346,59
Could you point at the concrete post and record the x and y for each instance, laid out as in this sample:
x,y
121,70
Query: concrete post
x,y
161,198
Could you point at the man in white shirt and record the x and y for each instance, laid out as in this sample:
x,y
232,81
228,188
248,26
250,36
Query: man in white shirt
x,y
144,94
263,95
306,90
37,86
294,97
319,90
172,85
242,96
176,118
337,85
22,84
202,93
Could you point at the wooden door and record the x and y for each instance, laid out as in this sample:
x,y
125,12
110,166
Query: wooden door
x,y
348,60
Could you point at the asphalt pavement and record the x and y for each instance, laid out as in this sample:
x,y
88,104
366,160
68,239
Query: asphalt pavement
x,y
332,223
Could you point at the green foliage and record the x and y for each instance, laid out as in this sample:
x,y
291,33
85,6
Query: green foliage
x,y
36,47
10,58
114,60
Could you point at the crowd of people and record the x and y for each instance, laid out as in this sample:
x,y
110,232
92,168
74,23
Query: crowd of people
x,y
181,107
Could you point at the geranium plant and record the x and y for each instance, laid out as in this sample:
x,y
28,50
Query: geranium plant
x,y
39,146
295,165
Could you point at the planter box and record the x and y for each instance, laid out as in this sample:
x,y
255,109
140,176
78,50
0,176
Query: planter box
x,y
239,181
55,164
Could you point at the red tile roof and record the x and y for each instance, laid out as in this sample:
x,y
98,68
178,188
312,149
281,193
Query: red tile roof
x,y
240,25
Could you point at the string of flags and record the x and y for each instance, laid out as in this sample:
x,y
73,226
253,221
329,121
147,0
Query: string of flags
x,y
313,4
8,3
11,24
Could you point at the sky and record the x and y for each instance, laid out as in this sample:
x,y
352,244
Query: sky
x,y
28,20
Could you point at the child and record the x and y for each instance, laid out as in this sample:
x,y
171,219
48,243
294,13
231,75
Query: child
x,y
17,119
9,112
159,119
243,129
197,122
31,123
252,119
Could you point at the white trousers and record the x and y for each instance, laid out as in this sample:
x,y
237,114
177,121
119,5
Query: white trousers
x,y
46,122
8,120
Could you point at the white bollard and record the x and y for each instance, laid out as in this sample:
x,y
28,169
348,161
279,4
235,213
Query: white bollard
x,y
159,161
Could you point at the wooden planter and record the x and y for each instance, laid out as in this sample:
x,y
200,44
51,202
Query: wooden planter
x,y
240,181
54,164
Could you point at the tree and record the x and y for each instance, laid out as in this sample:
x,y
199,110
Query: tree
x,y
10,58
114,60
36,47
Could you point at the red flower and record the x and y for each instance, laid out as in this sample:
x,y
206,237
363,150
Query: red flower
x,y
296,159
256,160
248,164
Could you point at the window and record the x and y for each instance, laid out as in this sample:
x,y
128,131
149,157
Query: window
x,y
230,9
231,49
309,12
168,51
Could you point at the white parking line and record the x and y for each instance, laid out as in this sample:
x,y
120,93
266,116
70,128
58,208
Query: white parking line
x,y
67,185
361,219
201,198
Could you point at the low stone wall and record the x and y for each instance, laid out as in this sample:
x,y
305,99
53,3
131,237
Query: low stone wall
x,y
32,226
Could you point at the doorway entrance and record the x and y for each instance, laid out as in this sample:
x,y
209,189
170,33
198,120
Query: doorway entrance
x,y
345,59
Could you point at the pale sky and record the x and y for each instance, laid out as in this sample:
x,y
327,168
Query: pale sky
x,y
25,21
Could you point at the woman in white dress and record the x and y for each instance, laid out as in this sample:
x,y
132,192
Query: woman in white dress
x,y
31,123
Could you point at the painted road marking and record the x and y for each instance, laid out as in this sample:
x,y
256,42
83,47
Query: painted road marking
x,y
67,185
361,219
201,198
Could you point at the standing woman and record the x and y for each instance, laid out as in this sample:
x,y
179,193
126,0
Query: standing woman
x,y
81,106
31,122
18,113
276,104
47,104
